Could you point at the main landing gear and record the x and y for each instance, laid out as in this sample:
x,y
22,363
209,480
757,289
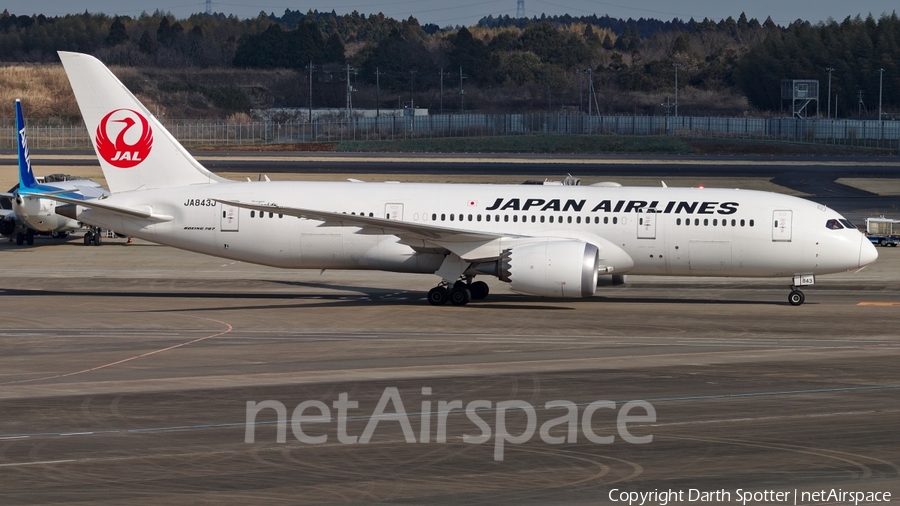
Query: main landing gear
x,y
460,294
26,237
92,237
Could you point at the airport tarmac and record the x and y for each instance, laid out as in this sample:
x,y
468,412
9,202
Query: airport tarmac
x,y
125,373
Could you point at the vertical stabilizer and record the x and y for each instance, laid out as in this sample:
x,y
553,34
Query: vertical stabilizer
x,y
26,175
135,151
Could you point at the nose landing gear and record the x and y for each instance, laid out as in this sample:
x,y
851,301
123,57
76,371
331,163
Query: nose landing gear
x,y
796,297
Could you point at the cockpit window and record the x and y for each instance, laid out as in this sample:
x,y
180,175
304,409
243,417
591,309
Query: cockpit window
x,y
847,224
833,225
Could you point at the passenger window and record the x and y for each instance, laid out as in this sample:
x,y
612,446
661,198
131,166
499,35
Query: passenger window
x,y
697,222
451,217
533,218
224,214
515,218
470,217
733,223
271,215
615,220
460,217
715,222
443,217
687,222
542,218
705,222
606,220
569,219
253,214
742,223
678,221
478,218
551,219
751,223
281,216
433,216
578,219
505,217
833,225
596,220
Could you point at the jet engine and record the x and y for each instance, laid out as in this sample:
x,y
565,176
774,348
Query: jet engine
x,y
552,268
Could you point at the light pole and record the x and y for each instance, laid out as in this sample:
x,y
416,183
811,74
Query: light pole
x,y
311,68
377,92
412,80
590,73
676,65
462,92
880,81
350,91
830,70
442,90
580,92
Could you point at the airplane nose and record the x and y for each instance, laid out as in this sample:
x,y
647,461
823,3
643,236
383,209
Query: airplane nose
x,y
867,252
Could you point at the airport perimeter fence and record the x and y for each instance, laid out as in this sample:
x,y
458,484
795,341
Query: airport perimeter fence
x,y
196,133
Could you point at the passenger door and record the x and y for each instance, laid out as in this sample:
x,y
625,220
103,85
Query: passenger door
x,y
781,226
229,220
646,225
393,211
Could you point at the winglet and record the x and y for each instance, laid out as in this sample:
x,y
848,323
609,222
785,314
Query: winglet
x,y
26,175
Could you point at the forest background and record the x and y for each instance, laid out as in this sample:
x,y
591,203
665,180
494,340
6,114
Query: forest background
x,y
217,66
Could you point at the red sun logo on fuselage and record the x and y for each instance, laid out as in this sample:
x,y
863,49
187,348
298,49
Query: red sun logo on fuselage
x,y
133,138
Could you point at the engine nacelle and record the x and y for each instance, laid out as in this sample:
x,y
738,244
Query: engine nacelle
x,y
551,268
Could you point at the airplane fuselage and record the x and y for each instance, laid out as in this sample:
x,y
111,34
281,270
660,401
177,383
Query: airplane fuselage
x,y
663,231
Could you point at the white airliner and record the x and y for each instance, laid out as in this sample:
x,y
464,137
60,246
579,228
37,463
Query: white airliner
x,y
544,240
31,209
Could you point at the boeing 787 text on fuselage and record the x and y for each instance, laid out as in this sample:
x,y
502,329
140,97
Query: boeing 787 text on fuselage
x,y
543,240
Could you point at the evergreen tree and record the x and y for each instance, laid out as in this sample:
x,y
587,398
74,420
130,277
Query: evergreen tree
x,y
117,33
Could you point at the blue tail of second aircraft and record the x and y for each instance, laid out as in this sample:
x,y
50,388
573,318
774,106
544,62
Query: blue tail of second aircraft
x,y
26,176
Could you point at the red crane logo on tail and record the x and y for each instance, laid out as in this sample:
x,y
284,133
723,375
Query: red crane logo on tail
x,y
131,146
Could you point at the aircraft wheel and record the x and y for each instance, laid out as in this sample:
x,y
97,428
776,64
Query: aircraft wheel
x,y
438,296
796,298
97,240
7,227
460,296
87,239
479,290
29,239
62,235
20,239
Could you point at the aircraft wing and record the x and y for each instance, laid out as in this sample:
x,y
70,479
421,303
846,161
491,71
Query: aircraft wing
x,y
465,243
99,204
